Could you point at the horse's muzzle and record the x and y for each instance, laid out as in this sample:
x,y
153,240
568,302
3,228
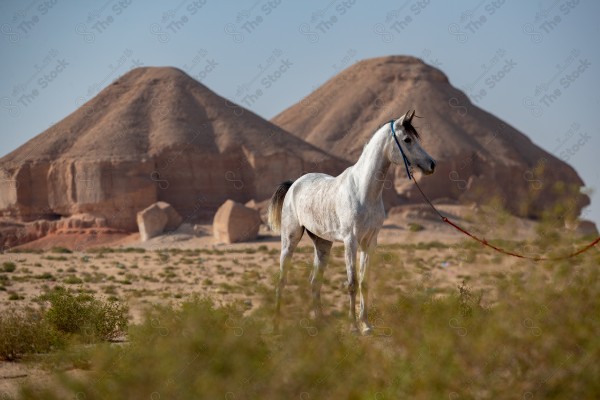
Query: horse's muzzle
x,y
428,170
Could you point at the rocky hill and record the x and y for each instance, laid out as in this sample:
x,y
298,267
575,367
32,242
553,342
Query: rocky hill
x,y
155,134
479,156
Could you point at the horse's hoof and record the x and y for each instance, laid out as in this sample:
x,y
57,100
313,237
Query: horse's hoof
x,y
367,331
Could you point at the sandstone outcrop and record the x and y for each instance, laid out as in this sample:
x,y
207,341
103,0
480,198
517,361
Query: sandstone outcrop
x,y
14,233
234,222
479,156
154,134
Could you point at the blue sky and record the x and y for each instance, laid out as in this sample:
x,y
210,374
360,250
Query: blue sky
x,y
534,64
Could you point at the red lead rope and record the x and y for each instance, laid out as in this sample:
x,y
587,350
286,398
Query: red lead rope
x,y
498,249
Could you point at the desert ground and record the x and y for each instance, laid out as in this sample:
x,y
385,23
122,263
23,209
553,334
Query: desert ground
x,y
415,253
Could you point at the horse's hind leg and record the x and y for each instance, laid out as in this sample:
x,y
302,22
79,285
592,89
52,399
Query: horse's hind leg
x,y
322,250
350,253
290,237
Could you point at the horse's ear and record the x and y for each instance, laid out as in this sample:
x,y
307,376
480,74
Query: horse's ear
x,y
405,119
410,116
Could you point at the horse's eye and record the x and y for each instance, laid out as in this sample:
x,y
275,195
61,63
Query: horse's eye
x,y
407,140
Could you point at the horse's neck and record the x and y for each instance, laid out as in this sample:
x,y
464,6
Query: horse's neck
x,y
370,169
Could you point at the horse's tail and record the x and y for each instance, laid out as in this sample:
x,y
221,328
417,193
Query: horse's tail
x,y
276,204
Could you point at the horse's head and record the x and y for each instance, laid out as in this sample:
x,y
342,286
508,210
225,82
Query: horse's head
x,y
408,138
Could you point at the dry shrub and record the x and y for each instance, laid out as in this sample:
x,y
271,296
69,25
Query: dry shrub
x,y
25,331
84,315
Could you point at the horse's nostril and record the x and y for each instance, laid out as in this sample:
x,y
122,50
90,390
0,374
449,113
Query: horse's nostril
x,y
432,166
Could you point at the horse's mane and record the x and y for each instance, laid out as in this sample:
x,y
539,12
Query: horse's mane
x,y
409,128
411,131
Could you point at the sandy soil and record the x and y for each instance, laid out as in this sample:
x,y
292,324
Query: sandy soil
x,y
172,267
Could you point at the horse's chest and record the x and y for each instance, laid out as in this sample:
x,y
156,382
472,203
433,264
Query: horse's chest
x,y
370,218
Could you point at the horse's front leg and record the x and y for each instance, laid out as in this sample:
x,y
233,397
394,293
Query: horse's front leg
x,y
363,289
351,246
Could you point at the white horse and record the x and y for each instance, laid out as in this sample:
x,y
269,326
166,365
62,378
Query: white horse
x,y
347,208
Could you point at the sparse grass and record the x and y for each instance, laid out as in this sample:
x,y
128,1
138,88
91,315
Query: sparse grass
x,y
72,280
110,289
61,250
104,250
15,296
26,251
9,266
536,338
93,278
55,258
533,342
414,227
150,278
45,276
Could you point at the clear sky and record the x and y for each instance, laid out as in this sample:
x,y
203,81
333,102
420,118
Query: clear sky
x,y
534,64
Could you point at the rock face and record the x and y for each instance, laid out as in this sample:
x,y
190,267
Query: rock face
x,y
154,134
235,222
156,219
479,156
14,233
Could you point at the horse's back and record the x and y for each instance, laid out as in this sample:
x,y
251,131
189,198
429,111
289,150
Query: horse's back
x,y
314,184
313,202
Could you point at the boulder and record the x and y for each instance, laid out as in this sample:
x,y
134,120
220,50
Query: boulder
x,y
235,222
151,222
156,219
173,217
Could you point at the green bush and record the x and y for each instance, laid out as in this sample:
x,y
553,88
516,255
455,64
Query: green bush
x,y
84,315
414,227
25,331
61,250
9,266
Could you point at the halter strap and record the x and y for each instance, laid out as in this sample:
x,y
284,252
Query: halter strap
x,y
406,162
